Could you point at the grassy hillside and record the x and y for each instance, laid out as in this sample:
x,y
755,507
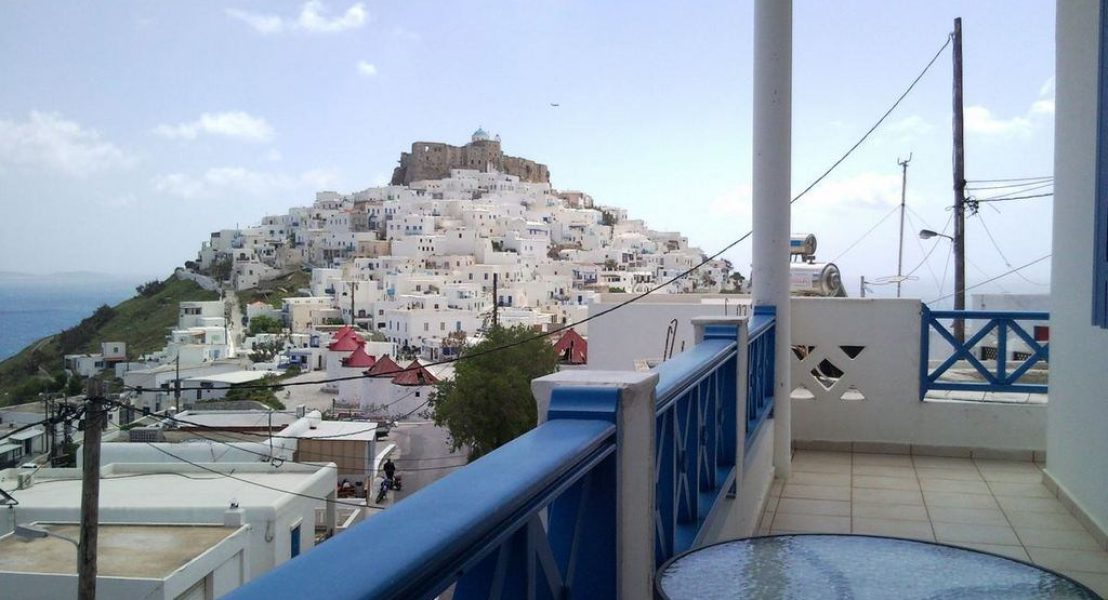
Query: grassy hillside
x,y
274,291
142,322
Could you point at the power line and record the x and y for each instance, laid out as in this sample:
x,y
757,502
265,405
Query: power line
x,y
1016,198
1008,179
866,234
1025,190
927,254
633,299
1011,186
987,281
1007,262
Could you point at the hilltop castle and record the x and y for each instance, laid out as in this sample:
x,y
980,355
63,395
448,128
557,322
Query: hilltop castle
x,y
434,160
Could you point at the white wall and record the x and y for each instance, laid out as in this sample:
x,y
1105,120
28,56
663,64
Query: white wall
x,y
1076,445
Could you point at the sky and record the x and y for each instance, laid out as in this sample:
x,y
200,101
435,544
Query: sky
x,y
131,130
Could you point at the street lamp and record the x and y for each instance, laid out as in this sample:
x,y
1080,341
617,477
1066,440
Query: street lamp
x,y
926,234
28,533
959,280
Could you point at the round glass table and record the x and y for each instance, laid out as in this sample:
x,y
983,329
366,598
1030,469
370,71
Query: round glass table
x,y
855,567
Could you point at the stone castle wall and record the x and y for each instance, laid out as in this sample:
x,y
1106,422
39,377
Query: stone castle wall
x,y
434,160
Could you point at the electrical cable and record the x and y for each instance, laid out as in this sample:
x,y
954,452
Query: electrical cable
x,y
1007,262
866,234
1016,198
1006,195
638,297
1008,179
977,285
927,253
1012,186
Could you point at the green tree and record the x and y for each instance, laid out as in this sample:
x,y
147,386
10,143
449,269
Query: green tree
x,y
73,387
489,403
608,218
265,324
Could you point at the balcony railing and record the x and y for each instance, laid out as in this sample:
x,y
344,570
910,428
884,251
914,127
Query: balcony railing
x,y
624,473
1002,327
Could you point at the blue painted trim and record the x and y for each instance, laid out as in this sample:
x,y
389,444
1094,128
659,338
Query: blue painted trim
x,y
1100,219
691,366
1027,315
599,403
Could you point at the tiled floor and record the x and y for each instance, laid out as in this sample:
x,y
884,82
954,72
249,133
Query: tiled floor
x,y
992,505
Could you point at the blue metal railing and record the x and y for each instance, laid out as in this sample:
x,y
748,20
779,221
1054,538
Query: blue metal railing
x,y
537,518
481,526
999,376
761,361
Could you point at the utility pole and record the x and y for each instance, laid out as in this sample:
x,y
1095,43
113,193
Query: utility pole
x,y
495,300
90,491
900,249
959,188
177,383
862,287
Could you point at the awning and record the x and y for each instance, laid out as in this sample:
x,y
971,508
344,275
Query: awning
x,y
27,434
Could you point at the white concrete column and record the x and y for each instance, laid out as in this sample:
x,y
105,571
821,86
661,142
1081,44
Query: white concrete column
x,y
772,174
634,468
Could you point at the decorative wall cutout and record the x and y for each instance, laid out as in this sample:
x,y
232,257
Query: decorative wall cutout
x,y
827,372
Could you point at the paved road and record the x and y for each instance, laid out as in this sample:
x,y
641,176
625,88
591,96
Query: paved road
x,y
423,456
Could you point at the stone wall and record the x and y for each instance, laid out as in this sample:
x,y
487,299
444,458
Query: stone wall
x,y
434,160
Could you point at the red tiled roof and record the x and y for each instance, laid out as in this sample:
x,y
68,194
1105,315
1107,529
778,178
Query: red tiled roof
x,y
572,348
359,358
346,343
415,374
384,367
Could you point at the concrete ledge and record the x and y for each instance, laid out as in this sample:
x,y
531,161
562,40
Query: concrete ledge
x,y
1099,533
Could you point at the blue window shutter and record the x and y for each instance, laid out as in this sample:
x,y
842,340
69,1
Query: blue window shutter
x,y
1100,251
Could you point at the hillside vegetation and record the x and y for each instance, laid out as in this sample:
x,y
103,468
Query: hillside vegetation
x,y
274,291
143,322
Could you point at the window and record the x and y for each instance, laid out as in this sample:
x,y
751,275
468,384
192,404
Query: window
x,y
294,541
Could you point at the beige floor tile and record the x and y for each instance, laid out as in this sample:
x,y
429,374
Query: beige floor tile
x,y
813,478
1070,560
775,487
1047,505
822,456
954,485
1056,538
1025,490
1025,473
959,500
885,483
885,471
810,524
816,492
805,506
1097,582
809,466
1016,552
902,512
1041,520
880,496
883,460
943,462
954,533
972,516
915,530
956,474
767,520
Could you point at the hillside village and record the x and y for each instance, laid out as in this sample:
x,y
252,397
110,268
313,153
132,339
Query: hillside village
x,y
381,279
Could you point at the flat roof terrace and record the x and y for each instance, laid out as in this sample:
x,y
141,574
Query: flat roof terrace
x,y
138,551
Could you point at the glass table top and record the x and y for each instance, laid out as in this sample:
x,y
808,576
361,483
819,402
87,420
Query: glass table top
x,y
841,567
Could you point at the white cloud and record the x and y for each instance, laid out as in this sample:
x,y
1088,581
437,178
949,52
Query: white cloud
x,y
258,22
980,120
273,155
367,69
313,18
1043,107
48,140
238,180
737,202
862,191
235,125
1047,89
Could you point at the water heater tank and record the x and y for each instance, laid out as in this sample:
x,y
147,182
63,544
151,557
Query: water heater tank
x,y
803,244
816,279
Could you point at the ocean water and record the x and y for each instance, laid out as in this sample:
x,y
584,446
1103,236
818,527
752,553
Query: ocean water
x,y
32,307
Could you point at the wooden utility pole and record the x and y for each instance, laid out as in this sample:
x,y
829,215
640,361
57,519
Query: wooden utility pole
x,y
177,383
959,188
900,249
90,491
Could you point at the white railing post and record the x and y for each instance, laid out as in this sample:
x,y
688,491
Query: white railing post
x,y
772,174
634,468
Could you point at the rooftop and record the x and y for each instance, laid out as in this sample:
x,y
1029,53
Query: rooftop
x,y
237,419
140,551
341,431
233,378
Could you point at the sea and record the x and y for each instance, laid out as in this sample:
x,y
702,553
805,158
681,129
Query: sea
x,y
35,306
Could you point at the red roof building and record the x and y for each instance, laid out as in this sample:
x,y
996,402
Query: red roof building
x,y
345,340
572,348
415,374
359,358
384,367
